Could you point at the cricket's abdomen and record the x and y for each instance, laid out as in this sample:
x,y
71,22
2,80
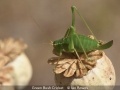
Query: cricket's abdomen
x,y
87,43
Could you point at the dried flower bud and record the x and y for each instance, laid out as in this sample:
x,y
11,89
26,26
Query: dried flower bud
x,y
15,68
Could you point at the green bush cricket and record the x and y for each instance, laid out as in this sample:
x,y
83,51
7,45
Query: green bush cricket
x,y
73,42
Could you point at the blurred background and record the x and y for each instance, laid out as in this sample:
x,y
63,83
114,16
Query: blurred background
x,y
54,17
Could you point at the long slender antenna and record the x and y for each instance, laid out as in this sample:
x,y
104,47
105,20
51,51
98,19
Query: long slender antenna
x,y
39,25
84,22
42,44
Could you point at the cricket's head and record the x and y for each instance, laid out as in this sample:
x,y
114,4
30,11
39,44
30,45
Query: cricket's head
x,y
58,46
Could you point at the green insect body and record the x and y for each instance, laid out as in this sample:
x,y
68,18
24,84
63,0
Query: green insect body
x,y
73,42
64,44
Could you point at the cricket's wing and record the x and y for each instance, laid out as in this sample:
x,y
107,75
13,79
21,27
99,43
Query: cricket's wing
x,y
106,45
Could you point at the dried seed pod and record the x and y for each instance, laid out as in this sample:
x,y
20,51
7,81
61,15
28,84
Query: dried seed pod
x,y
99,72
15,67
70,66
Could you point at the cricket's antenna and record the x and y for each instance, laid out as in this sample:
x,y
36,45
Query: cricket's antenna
x,y
39,25
84,21
44,43
41,29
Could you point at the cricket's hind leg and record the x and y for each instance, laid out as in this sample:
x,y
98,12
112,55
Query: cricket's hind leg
x,y
80,59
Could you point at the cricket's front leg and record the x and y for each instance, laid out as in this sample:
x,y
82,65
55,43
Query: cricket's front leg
x,y
71,47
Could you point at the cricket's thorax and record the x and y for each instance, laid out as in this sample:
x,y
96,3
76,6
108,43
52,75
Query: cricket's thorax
x,y
87,43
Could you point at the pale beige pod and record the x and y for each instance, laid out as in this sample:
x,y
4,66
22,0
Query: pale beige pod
x,y
100,77
15,67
